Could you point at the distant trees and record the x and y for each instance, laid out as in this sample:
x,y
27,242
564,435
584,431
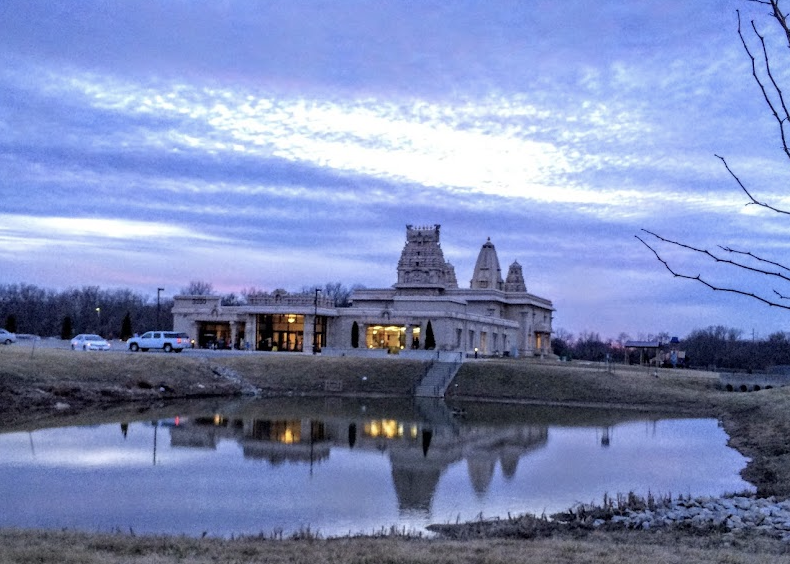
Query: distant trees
x,y
27,308
66,330
335,291
715,347
723,347
198,288
561,347
126,327
45,312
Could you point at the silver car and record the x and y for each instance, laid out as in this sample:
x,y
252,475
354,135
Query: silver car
x,y
89,342
6,337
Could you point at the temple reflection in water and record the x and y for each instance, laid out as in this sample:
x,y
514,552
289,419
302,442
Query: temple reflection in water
x,y
419,452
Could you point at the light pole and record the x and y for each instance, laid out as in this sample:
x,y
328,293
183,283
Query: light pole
x,y
158,291
315,321
98,317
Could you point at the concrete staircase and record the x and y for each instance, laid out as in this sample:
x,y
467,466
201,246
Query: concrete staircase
x,y
436,380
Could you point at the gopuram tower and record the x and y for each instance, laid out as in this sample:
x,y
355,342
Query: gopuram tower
x,y
422,265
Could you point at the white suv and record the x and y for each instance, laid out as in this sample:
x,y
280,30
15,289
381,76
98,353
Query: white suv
x,y
6,337
166,340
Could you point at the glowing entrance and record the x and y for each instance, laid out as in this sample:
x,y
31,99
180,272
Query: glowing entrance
x,y
390,337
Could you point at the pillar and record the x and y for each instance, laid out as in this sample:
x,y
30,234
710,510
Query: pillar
x,y
234,331
309,333
251,332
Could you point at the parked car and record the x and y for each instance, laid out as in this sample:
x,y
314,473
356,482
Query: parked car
x,y
6,337
166,340
89,342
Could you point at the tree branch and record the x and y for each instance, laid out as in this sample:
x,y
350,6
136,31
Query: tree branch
x,y
782,119
755,257
775,99
698,277
752,199
728,261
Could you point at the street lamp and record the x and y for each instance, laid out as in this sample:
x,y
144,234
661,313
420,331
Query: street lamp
x,y
315,321
158,291
98,317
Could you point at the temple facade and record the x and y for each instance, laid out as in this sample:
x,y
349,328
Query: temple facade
x,y
425,310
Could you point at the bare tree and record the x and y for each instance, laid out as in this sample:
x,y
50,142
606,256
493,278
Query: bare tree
x,y
198,288
744,261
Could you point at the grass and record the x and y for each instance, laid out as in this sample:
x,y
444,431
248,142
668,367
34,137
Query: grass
x,y
315,374
34,387
579,384
66,547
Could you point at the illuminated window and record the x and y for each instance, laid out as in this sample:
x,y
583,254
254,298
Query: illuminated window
x,y
391,337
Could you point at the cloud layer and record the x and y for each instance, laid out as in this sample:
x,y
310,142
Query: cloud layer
x,y
286,144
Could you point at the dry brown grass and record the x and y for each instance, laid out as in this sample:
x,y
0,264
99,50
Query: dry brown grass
x,y
577,383
639,548
311,374
36,383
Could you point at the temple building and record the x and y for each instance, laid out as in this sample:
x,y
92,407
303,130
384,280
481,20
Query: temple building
x,y
424,310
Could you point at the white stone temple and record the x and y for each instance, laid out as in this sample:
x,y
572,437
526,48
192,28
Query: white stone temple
x,y
424,310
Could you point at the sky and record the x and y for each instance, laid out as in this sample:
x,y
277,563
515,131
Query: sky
x,y
286,144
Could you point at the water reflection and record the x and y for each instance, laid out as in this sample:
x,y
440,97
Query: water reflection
x,y
415,474
346,466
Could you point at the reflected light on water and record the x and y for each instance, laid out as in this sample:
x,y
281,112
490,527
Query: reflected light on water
x,y
249,472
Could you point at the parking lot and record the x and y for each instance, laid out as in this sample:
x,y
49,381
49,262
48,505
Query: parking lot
x,y
116,346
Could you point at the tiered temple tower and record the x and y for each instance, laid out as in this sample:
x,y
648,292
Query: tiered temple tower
x,y
515,279
422,263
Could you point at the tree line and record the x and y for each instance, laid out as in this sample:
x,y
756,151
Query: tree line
x,y
116,313
715,347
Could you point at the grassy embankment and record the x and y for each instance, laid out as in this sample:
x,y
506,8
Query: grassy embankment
x,y
54,383
595,548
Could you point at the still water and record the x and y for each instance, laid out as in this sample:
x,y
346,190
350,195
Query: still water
x,y
347,466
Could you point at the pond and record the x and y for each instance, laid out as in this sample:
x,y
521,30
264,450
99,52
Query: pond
x,y
347,466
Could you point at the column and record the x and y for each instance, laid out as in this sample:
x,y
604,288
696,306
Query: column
x,y
233,334
251,332
524,331
309,333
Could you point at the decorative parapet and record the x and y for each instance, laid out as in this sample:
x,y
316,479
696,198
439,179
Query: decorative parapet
x,y
301,300
193,304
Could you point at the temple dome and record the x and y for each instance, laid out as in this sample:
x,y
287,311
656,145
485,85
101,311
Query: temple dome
x,y
487,274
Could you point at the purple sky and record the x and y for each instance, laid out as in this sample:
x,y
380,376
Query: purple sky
x,y
145,144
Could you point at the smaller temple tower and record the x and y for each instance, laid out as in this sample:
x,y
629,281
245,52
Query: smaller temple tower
x,y
515,279
487,274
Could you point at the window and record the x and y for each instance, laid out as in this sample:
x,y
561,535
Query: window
x,y
390,337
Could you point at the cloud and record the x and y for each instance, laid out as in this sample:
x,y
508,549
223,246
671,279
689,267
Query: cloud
x,y
255,135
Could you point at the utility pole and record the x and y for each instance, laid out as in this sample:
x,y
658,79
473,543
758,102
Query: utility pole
x,y
315,321
158,291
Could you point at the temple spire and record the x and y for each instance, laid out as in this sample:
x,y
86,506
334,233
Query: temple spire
x,y
487,274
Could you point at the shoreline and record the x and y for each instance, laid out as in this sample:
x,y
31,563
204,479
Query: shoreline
x,y
57,386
